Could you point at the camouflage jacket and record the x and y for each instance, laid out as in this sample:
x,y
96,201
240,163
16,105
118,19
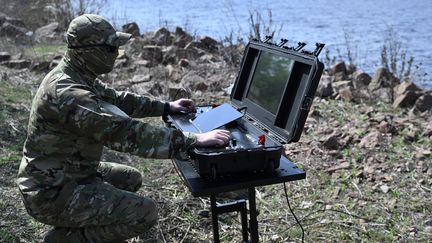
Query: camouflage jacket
x,y
74,116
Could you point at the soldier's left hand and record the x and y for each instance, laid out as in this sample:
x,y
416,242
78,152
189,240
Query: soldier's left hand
x,y
182,105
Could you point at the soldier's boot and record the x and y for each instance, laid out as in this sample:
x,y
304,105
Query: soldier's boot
x,y
121,176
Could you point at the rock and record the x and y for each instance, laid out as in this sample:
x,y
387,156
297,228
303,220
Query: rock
x,y
4,56
141,78
383,78
341,166
184,62
204,213
406,99
181,38
169,55
17,64
428,130
208,58
177,93
385,127
133,48
384,188
41,66
339,67
340,76
371,140
201,86
152,53
361,78
346,94
405,87
192,79
424,103
383,94
341,84
50,33
121,63
325,88
208,43
12,31
331,142
144,63
131,28
162,36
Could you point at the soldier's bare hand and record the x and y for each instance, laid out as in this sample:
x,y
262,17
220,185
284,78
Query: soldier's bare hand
x,y
182,105
217,137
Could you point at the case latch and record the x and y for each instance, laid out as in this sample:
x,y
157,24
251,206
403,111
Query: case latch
x,y
307,103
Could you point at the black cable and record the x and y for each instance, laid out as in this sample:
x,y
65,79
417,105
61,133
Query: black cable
x,y
292,212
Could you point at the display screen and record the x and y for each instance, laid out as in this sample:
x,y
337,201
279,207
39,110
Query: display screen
x,y
268,82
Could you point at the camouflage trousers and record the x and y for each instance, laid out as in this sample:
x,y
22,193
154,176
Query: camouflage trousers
x,y
104,210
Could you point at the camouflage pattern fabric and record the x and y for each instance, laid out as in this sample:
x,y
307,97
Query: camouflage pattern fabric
x,y
73,116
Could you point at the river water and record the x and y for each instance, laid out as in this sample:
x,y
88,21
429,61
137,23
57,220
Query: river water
x,y
359,25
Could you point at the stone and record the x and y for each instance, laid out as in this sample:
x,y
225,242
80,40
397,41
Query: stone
x,y
141,78
17,64
339,67
4,56
331,142
428,130
184,62
384,188
208,43
41,66
341,84
192,78
12,31
384,94
346,94
121,63
385,127
406,99
50,33
201,86
162,36
424,103
176,93
204,213
383,78
181,38
152,53
361,78
131,28
325,88
341,166
144,63
208,58
169,55
371,140
405,87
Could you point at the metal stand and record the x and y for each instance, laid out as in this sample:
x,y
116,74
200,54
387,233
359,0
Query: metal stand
x,y
200,187
237,206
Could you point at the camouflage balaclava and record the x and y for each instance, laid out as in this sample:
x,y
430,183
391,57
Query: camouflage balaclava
x,y
93,44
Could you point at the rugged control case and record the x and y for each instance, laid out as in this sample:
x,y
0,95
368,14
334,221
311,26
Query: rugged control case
x,y
274,90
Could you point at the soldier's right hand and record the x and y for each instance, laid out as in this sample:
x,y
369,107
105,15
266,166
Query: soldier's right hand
x,y
216,137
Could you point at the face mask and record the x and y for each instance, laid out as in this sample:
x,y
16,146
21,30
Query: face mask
x,y
97,60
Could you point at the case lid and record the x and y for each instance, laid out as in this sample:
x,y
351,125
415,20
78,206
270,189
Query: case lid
x,y
277,85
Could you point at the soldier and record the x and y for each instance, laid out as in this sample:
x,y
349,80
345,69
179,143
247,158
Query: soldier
x,y
73,115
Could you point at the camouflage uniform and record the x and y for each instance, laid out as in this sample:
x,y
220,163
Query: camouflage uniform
x,y
73,116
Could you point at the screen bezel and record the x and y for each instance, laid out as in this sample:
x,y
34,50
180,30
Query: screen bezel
x,y
244,79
